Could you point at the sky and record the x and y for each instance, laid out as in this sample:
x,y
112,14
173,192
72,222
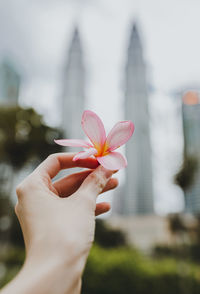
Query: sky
x,y
36,35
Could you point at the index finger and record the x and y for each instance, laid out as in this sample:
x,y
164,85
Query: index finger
x,y
58,161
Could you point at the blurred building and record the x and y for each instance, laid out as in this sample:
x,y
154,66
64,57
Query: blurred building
x,y
191,129
73,89
143,231
137,195
9,83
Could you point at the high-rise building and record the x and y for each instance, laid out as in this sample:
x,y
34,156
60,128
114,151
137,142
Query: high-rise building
x,y
9,83
73,89
191,129
137,194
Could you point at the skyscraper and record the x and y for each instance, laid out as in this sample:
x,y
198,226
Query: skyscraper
x,y
9,83
137,195
73,90
191,129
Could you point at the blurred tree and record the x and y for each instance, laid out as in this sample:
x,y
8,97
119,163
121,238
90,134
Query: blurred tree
x,y
124,270
24,138
108,237
187,233
176,224
6,209
178,228
185,177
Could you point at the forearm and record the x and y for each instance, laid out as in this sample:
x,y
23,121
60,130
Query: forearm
x,y
54,276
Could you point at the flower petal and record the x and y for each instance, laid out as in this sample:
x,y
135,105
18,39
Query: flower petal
x,y
119,134
113,161
93,128
85,154
73,143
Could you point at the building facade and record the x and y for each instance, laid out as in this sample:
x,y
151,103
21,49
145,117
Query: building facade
x,y
73,97
137,194
191,130
9,83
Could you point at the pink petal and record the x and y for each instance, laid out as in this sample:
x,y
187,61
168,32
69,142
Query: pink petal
x,y
119,134
73,143
85,154
113,161
93,128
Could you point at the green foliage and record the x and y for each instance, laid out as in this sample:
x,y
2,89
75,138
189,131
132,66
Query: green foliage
x,y
6,210
23,136
12,255
119,271
180,252
188,236
11,260
10,230
179,231
16,236
108,237
176,224
190,252
185,177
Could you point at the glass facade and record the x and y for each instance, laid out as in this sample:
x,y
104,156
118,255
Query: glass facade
x,y
191,128
9,83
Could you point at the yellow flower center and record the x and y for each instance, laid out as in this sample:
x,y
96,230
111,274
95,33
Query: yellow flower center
x,y
101,150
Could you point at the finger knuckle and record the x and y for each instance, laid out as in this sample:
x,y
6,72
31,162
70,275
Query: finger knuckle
x,y
20,190
51,156
98,180
23,188
17,208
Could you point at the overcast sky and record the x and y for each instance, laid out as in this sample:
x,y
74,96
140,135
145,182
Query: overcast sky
x,y
36,34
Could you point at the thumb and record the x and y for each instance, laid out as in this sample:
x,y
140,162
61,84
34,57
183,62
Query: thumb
x,y
95,182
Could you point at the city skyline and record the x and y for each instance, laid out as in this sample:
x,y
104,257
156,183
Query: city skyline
x,y
74,66
38,39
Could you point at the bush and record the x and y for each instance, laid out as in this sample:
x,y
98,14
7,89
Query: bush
x,y
11,260
118,271
108,237
190,252
122,271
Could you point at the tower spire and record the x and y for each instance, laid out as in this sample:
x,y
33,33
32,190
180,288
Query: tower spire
x,y
137,194
73,97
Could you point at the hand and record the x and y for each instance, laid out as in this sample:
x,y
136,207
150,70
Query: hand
x,y
58,221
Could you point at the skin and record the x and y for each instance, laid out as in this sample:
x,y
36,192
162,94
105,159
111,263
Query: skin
x,y
58,223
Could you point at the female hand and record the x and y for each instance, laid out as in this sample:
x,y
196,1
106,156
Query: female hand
x,y
58,221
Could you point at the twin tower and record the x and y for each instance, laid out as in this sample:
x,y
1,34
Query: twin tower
x,y
136,196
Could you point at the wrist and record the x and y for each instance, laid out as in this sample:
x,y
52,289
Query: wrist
x,y
46,277
56,274
63,258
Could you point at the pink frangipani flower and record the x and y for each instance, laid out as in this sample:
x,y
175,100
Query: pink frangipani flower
x,y
101,147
